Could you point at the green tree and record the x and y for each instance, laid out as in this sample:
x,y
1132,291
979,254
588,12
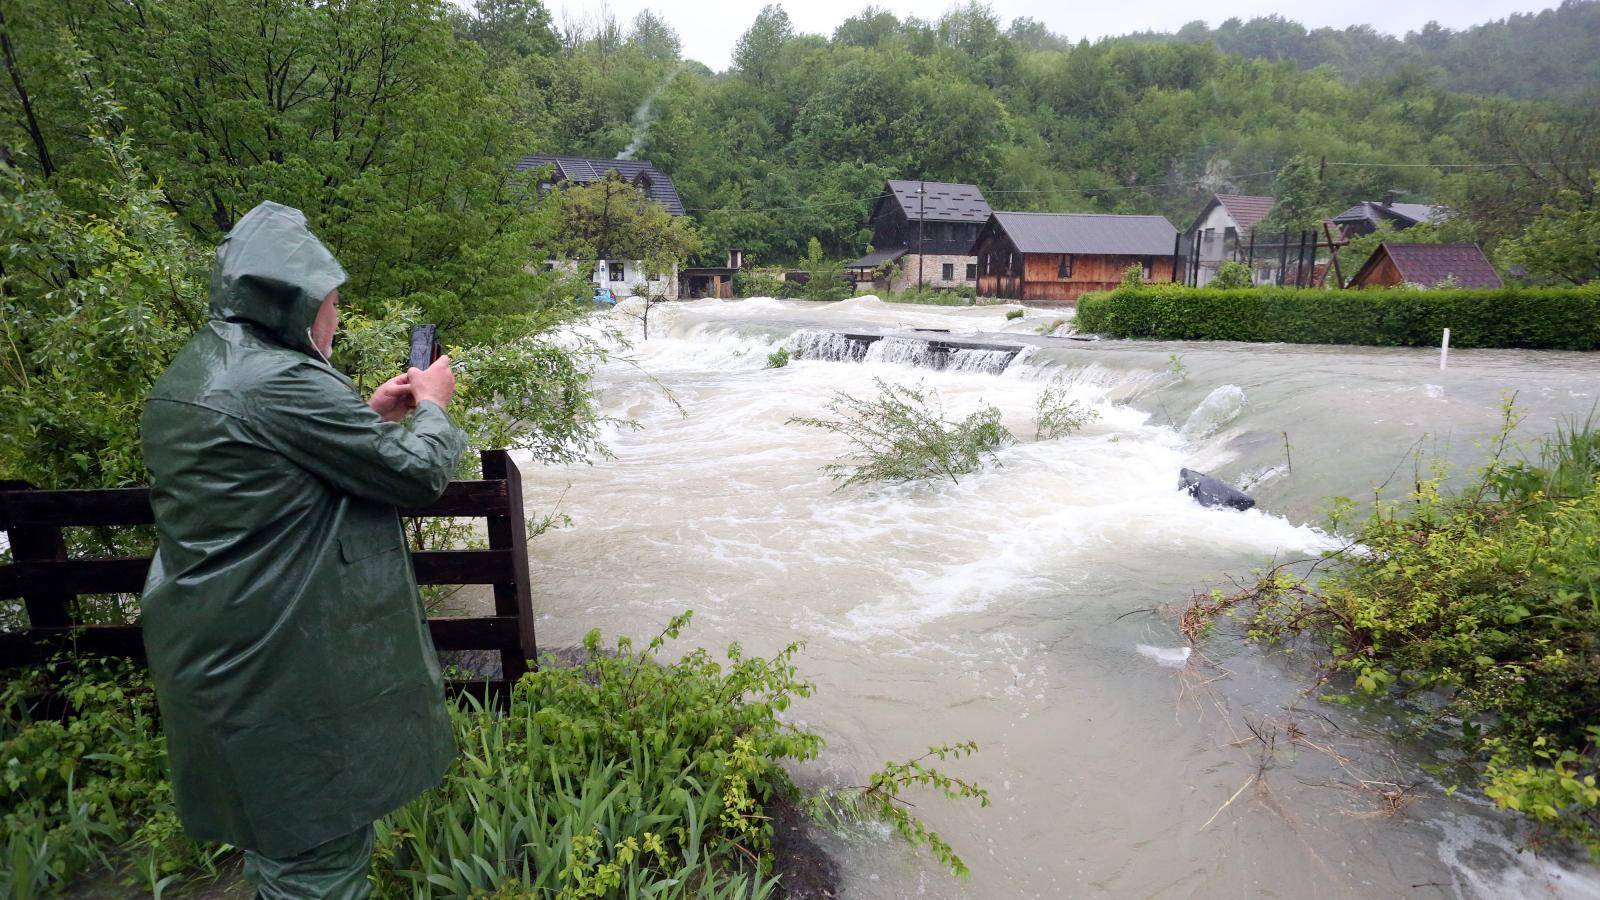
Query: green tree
x,y
612,219
756,53
652,37
512,28
1564,241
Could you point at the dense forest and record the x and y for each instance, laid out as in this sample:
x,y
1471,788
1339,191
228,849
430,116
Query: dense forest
x,y
795,138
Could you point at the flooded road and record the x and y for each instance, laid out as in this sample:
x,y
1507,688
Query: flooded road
x,y
1012,609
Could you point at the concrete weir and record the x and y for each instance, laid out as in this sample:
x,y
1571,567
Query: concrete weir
x,y
937,353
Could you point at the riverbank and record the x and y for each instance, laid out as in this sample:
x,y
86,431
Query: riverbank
x,y
996,610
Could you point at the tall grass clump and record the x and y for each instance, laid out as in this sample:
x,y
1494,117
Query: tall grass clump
x,y
1479,612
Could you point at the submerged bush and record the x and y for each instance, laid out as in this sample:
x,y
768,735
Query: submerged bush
x,y
1015,314
1055,415
778,358
902,434
1488,602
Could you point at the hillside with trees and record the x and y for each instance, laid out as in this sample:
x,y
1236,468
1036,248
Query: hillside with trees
x,y
796,137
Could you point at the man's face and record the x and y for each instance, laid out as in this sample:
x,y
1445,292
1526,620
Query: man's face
x,y
327,322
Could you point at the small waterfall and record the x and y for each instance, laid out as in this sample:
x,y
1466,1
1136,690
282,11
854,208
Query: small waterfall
x,y
923,353
829,346
983,362
902,351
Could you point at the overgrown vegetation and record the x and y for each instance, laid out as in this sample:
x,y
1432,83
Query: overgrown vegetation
x,y
1536,318
778,358
1479,612
1056,414
903,434
625,775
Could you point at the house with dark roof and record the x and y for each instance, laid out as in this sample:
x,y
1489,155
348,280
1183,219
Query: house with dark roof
x,y
922,231
1427,265
623,277
1364,217
1225,231
1059,257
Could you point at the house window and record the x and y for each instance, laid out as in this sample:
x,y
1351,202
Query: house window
x,y
615,267
1148,265
988,264
1064,266
949,271
972,271
1011,263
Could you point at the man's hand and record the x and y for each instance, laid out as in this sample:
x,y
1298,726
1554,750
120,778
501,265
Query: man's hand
x,y
394,399
436,383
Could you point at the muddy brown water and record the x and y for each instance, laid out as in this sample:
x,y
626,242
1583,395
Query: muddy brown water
x,y
998,609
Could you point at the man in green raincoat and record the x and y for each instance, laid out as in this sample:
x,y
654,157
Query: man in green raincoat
x,y
298,685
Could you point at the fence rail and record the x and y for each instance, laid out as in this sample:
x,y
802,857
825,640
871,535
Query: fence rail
x,y
49,581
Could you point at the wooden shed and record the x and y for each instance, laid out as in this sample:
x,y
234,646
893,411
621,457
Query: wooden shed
x,y
1427,265
1059,257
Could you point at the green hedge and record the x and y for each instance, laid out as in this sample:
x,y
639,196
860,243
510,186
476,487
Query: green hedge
x,y
1537,318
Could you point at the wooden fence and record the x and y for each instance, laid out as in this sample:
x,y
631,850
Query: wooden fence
x,y
48,582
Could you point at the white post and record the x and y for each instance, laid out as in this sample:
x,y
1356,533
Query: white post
x,y
1444,350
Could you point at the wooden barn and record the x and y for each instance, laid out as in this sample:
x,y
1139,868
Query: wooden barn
x,y
1059,257
1427,265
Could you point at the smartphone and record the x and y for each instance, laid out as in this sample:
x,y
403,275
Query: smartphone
x,y
424,346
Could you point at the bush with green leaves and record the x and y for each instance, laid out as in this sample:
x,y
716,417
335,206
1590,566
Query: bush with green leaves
x,y
1015,314
1533,318
1479,612
624,775
903,434
1231,275
779,358
961,295
89,792
1056,414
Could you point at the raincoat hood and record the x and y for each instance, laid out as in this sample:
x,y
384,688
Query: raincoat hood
x,y
272,272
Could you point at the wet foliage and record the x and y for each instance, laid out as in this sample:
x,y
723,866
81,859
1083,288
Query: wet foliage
x,y
903,434
1483,607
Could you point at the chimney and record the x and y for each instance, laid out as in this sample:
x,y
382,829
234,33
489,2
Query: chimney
x,y
735,258
1388,199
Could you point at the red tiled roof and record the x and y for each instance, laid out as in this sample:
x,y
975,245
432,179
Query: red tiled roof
x,y
1246,210
1429,264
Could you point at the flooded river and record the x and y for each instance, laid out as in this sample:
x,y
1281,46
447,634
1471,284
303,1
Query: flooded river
x,y
1012,608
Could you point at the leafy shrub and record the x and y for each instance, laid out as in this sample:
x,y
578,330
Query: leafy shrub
x,y
902,435
757,284
616,777
961,295
1057,416
778,358
1015,314
1485,601
623,775
75,794
1536,318
1231,275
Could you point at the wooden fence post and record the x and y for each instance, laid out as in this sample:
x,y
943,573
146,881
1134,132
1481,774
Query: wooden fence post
x,y
509,532
38,543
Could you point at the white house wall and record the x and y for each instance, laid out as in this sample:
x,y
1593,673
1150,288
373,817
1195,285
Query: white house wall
x,y
1213,251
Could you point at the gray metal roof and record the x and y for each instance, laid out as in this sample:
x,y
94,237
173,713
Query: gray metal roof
x,y
877,258
1088,233
1374,211
582,169
940,201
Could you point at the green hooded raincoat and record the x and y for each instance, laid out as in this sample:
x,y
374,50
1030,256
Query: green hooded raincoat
x,y
299,689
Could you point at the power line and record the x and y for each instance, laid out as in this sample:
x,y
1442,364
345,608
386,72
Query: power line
x,y
1146,187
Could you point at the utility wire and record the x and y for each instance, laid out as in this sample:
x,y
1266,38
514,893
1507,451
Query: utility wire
x,y
1145,187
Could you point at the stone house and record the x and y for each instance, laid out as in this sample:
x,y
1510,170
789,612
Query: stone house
x,y
923,232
